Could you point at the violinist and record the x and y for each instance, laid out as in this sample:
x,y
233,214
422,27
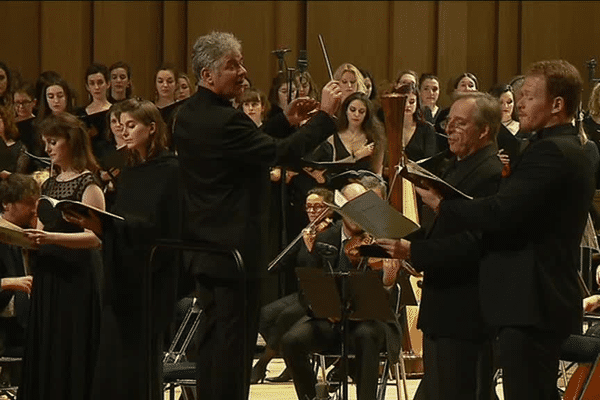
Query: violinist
x,y
279,316
367,338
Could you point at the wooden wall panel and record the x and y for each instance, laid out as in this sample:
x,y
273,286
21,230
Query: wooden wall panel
x,y
251,22
495,40
481,42
66,42
130,32
566,30
414,36
452,45
541,41
20,33
353,32
175,46
509,41
289,33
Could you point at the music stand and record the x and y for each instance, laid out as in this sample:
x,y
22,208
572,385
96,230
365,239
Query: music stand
x,y
359,296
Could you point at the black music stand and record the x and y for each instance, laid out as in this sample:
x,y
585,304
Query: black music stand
x,y
359,296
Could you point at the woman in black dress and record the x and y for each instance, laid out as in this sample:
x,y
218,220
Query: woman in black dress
x,y
360,137
147,196
62,332
15,158
419,139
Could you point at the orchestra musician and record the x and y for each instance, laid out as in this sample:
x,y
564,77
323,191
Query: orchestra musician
x,y
279,316
532,229
367,338
455,337
224,160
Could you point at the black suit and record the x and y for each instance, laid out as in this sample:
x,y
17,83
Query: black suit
x,y
528,278
12,329
366,338
224,162
449,312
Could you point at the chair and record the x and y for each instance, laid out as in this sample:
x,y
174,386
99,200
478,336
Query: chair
x,y
12,356
177,371
399,368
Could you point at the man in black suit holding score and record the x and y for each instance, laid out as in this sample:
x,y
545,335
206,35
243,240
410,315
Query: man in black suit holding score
x,y
455,340
531,234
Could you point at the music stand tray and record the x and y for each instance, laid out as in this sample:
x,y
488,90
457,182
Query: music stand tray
x,y
368,299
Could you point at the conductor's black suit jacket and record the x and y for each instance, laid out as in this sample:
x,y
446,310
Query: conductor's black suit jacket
x,y
224,160
450,255
531,234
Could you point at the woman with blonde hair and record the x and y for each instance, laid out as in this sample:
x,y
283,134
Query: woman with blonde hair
x,y
351,80
591,122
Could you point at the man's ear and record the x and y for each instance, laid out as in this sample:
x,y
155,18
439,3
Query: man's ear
x,y
484,132
558,105
206,76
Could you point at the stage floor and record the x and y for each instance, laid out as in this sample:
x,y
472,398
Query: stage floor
x,y
285,391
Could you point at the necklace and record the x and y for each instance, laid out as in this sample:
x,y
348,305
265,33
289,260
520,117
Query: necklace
x,y
353,143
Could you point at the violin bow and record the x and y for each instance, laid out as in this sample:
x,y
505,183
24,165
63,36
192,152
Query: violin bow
x,y
327,62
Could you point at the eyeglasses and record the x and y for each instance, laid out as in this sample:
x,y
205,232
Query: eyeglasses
x,y
315,207
22,103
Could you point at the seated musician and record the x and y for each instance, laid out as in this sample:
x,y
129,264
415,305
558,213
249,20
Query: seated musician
x,y
366,338
279,316
18,194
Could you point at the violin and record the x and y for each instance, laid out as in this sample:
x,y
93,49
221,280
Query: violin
x,y
312,227
352,245
309,234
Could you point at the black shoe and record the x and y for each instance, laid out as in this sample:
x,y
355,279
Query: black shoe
x,y
258,373
335,374
285,376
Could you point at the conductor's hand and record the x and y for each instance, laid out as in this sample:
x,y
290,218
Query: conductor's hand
x,y
300,110
431,197
317,174
19,283
331,97
591,303
399,249
91,222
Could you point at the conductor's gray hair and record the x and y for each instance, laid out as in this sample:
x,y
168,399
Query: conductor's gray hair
x,y
209,50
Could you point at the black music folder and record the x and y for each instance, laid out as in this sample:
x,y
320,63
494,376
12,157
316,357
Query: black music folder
x,y
75,206
368,299
425,179
114,158
5,156
98,121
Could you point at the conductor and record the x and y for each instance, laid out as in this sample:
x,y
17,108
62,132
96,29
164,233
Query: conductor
x,y
225,160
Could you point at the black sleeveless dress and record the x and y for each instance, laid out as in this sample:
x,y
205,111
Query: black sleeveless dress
x,y
62,335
